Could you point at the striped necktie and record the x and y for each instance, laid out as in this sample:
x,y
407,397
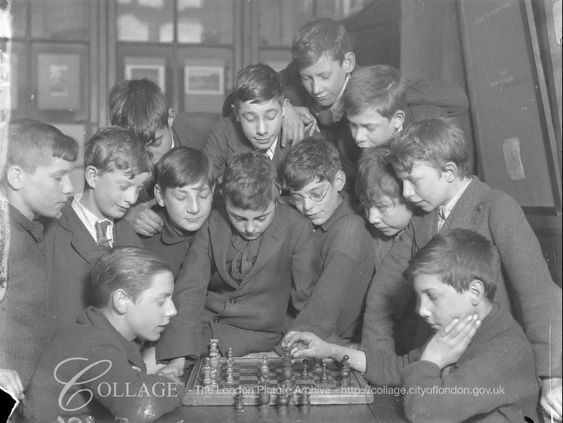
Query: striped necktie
x,y
101,233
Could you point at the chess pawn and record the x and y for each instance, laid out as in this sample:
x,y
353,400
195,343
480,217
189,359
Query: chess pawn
x,y
287,372
324,376
305,373
206,370
305,398
239,402
229,379
264,395
265,369
282,399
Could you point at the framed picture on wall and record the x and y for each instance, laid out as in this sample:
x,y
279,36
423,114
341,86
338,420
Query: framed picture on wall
x,y
153,72
204,80
58,83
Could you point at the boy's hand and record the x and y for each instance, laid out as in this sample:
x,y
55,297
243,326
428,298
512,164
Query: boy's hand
x,y
293,129
305,344
174,369
445,347
311,125
144,220
10,382
550,401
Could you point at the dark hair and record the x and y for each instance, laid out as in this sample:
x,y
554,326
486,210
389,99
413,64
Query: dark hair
x,y
182,166
32,143
323,36
113,149
250,181
457,257
376,178
257,84
434,141
140,106
378,87
309,160
127,268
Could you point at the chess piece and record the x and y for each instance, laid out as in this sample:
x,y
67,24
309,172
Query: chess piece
x,y
305,398
206,371
305,372
287,372
264,369
345,372
324,376
264,395
239,402
230,380
283,400
214,353
230,353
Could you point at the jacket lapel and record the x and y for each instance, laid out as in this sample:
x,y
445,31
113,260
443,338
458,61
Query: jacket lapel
x,y
220,235
81,240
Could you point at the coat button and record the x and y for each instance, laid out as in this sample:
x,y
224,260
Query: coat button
x,y
216,319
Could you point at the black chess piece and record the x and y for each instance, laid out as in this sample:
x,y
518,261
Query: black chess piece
x,y
345,372
305,398
264,395
283,400
324,376
239,402
305,372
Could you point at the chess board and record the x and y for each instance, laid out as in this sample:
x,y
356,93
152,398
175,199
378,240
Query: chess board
x,y
246,381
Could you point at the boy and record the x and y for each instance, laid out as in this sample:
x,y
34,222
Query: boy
x,y
250,264
255,122
430,158
476,346
140,106
323,62
184,188
95,369
313,175
375,104
116,167
35,182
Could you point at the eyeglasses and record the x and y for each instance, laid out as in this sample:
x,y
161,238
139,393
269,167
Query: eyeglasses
x,y
316,197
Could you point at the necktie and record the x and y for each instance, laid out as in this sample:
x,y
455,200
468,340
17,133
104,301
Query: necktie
x,y
441,218
101,233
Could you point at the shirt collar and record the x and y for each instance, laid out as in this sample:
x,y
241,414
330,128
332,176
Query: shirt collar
x,y
337,108
270,151
446,209
88,218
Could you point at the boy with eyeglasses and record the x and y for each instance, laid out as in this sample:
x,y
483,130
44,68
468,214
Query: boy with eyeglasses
x,y
312,172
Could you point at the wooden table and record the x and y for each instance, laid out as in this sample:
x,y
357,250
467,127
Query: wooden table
x,y
385,409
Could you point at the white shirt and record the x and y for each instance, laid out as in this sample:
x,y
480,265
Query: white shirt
x,y
89,219
445,210
270,151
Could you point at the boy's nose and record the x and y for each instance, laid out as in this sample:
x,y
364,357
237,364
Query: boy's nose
x,y
171,311
249,228
193,206
408,190
68,188
262,128
373,216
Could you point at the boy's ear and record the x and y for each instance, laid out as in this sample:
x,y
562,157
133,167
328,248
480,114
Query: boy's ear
x,y
235,112
450,171
171,116
476,291
158,194
349,62
91,176
15,176
340,180
120,301
398,119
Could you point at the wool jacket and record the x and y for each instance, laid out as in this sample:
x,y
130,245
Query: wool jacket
x,y
71,252
26,326
249,316
114,380
526,287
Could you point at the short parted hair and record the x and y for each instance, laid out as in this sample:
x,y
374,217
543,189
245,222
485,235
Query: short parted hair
x,y
432,141
380,88
32,143
140,106
250,181
316,38
257,84
457,257
127,268
376,178
112,149
183,166
308,161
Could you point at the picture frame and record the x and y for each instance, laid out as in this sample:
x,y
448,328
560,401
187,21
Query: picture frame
x,y
58,86
204,80
153,72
